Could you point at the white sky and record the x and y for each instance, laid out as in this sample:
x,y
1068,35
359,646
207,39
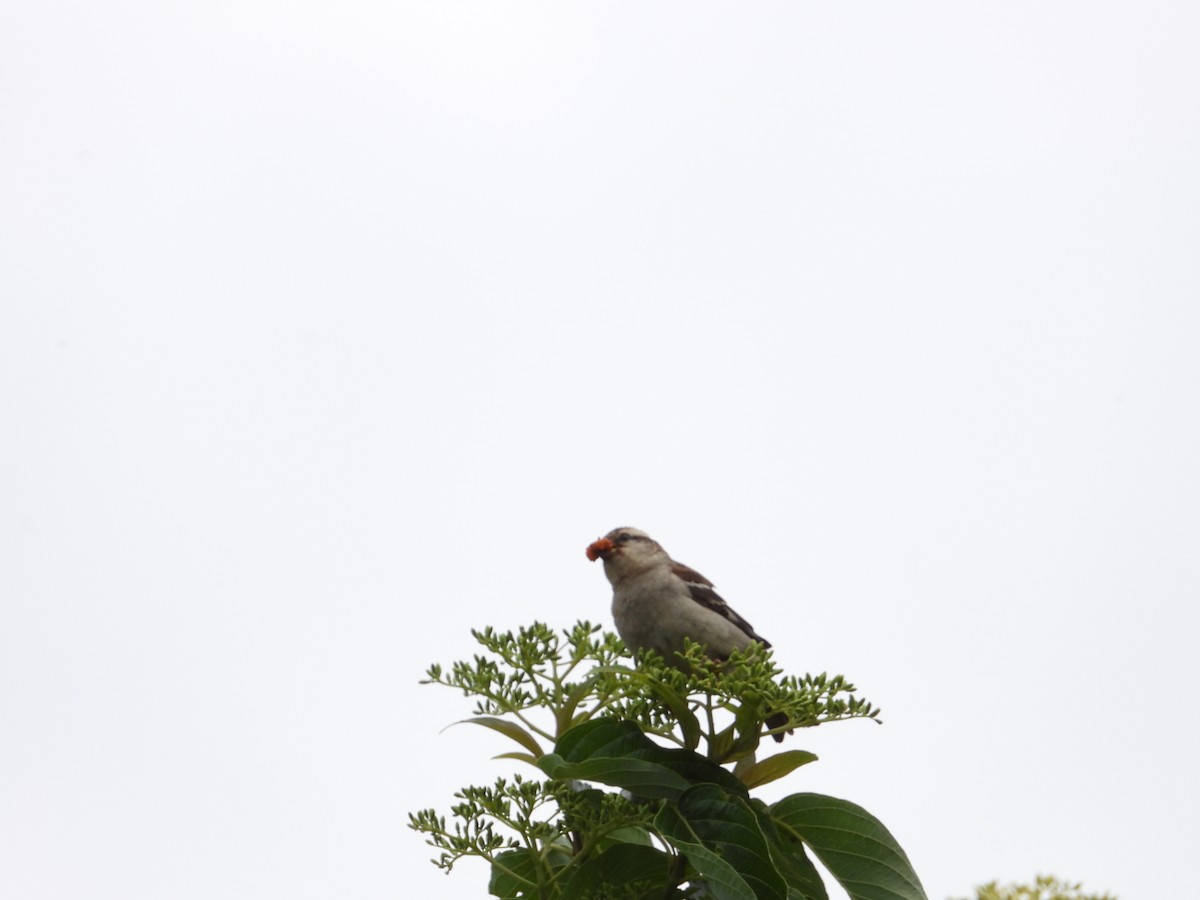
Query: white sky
x,y
328,332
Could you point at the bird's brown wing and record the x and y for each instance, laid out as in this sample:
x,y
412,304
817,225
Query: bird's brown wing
x,y
702,592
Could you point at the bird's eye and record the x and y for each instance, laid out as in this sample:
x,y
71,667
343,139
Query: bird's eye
x,y
622,538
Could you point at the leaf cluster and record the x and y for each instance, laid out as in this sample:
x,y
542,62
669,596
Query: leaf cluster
x,y
583,672
1045,887
646,774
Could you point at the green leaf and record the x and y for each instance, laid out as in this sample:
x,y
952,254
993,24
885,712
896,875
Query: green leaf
x,y
688,723
629,834
514,874
721,743
508,729
803,880
722,839
618,753
645,779
566,712
516,754
774,767
748,717
603,736
623,870
860,853
721,879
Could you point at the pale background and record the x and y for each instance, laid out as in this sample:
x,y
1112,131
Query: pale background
x,y
330,331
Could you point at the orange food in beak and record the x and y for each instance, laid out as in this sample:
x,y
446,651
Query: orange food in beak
x,y
599,548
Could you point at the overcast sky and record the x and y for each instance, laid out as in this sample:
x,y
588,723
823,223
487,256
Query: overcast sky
x,y
330,331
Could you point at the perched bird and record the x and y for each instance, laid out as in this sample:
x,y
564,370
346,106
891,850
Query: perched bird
x,y
658,602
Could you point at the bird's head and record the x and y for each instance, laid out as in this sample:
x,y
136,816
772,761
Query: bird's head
x,y
626,550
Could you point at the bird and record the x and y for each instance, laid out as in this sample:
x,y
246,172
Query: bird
x,y
657,602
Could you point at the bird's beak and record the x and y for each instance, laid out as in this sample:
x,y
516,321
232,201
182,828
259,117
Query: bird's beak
x,y
601,549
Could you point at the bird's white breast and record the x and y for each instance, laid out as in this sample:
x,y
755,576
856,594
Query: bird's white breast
x,y
655,609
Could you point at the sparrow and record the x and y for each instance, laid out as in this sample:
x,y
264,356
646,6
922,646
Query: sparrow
x,y
657,602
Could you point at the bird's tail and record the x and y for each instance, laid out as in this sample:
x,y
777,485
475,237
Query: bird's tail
x,y
777,720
